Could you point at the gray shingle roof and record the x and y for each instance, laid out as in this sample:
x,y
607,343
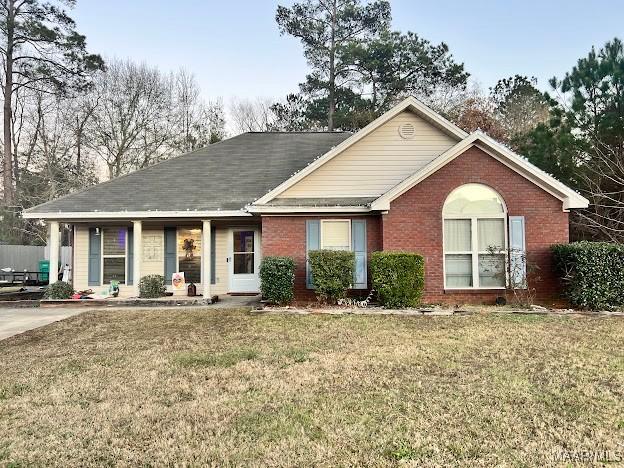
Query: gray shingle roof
x,y
224,176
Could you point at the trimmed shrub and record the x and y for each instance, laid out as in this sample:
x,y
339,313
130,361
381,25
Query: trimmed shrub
x,y
398,278
152,286
332,273
592,273
277,278
59,290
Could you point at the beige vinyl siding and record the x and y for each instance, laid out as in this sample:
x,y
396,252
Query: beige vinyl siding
x,y
81,258
222,285
154,244
376,163
153,266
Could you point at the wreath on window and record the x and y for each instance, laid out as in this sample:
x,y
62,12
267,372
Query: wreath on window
x,y
188,247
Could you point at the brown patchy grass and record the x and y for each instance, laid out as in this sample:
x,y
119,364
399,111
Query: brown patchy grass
x,y
199,387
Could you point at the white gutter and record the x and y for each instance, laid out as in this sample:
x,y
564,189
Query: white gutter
x,y
307,209
136,214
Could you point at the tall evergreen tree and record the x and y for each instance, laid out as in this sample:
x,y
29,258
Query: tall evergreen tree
x,y
584,139
394,65
326,28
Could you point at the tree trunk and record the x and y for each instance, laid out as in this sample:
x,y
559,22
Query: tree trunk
x,y
332,71
78,145
7,177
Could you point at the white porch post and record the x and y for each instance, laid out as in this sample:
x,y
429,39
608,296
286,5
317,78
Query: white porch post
x,y
53,243
205,258
137,238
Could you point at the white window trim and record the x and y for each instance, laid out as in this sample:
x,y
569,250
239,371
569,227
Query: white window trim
x,y
348,221
103,256
256,252
474,252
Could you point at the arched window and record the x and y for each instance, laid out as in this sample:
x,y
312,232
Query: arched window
x,y
475,240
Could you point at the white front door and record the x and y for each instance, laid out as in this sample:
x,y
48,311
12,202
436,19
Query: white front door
x,y
244,260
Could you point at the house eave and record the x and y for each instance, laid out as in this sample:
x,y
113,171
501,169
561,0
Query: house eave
x,y
265,209
128,215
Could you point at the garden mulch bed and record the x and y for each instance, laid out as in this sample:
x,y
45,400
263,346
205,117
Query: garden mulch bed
x,y
431,311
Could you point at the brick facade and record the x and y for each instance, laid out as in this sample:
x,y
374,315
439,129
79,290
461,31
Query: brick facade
x,y
286,235
414,223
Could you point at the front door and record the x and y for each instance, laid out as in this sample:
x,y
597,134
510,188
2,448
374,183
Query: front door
x,y
244,260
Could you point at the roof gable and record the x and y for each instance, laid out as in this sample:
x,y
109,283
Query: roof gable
x,y
569,197
425,115
377,162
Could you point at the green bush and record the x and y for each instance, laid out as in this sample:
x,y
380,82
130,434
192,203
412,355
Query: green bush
x,y
398,278
592,273
59,290
152,286
332,273
277,277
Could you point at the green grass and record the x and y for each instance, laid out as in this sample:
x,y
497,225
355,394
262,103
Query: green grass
x,y
206,387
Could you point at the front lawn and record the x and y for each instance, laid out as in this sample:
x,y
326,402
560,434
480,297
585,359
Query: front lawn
x,y
197,387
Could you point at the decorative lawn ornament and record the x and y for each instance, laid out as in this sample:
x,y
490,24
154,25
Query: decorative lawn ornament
x,y
355,303
177,281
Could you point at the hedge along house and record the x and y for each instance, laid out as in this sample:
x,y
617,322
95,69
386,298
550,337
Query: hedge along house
x,y
409,181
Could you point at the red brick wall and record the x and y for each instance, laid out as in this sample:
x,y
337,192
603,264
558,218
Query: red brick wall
x,y
414,222
286,235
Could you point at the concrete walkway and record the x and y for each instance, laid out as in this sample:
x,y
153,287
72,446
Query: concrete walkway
x,y
19,320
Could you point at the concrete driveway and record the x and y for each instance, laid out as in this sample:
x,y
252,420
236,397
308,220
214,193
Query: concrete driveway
x,y
14,321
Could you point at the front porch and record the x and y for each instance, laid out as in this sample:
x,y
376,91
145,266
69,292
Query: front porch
x,y
219,256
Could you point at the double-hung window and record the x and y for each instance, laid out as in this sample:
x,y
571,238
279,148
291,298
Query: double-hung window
x,y
336,234
339,234
114,250
475,238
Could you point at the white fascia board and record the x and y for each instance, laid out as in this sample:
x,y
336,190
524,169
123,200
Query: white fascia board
x,y
408,103
135,214
574,199
569,197
266,209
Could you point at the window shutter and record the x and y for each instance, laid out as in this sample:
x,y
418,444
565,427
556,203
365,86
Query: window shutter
x,y
517,252
170,253
358,241
213,255
130,261
95,257
313,242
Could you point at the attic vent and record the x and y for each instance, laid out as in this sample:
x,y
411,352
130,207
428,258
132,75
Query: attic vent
x,y
407,131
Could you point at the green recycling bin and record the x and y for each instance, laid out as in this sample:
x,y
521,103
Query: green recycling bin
x,y
44,268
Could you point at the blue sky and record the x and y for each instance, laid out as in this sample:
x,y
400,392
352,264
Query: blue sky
x,y
234,47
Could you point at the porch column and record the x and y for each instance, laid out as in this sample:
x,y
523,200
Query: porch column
x,y
205,258
53,244
137,245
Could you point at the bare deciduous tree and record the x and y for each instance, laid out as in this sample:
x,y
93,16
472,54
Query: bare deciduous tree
x,y
197,123
131,124
252,115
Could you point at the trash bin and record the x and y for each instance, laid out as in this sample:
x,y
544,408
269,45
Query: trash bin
x,y
44,269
